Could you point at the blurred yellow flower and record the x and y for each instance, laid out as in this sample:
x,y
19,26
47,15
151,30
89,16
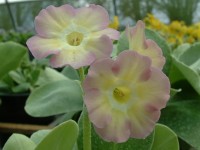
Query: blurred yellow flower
x,y
155,23
190,39
115,23
177,28
176,32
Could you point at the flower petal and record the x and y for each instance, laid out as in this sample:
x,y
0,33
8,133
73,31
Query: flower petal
x,y
83,55
53,20
100,111
155,90
138,65
111,33
93,17
152,95
98,107
41,47
101,47
73,56
136,36
97,70
118,129
155,53
142,120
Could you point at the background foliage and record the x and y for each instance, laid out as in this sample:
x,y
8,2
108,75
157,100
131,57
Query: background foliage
x,y
23,13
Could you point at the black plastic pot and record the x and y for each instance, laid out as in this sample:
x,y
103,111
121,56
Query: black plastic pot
x,y
12,110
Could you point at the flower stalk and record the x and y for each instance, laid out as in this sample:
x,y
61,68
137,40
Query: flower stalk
x,y
86,121
115,146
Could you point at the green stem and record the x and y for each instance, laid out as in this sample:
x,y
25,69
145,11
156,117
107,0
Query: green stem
x,y
86,130
86,121
115,146
81,74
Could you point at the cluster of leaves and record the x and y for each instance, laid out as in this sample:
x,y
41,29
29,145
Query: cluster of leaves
x,y
18,74
60,138
15,36
61,93
182,10
65,135
177,32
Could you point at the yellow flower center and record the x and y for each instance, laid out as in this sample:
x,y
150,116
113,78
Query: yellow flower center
x,y
121,94
74,38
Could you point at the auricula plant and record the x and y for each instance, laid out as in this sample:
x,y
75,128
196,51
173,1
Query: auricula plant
x,y
122,96
74,37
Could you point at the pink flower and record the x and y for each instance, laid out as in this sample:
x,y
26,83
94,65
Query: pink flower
x,y
124,96
72,36
146,47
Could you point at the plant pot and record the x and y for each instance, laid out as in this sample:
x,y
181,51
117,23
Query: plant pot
x,y
12,110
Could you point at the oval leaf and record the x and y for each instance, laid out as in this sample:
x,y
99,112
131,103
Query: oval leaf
x,y
164,139
62,137
122,43
70,73
187,60
11,54
19,142
38,136
183,118
49,75
55,97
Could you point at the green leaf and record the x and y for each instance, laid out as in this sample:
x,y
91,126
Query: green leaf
x,y
62,137
49,75
55,97
11,55
175,74
17,76
183,118
187,91
6,84
38,136
187,59
23,87
114,51
34,75
19,142
164,139
163,45
140,144
123,43
174,92
63,117
99,144
70,73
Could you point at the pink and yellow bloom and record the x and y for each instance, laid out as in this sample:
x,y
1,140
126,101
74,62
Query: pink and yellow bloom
x,y
72,36
146,47
124,96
